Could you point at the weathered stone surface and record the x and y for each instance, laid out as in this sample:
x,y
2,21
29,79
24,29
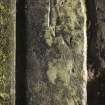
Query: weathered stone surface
x,y
56,52
7,52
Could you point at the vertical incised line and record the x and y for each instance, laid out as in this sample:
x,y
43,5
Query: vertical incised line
x,y
49,12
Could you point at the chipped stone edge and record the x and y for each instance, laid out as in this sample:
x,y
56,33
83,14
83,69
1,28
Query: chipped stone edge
x,y
84,100
13,51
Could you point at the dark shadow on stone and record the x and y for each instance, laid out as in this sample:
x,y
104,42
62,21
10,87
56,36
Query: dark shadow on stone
x,y
20,54
96,84
91,31
92,89
91,36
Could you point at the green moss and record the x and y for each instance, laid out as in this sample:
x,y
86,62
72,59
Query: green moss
x,y
48,36
71,24
4,52
59,68
69,42
62,30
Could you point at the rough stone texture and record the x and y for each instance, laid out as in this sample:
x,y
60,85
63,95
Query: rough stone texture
x,y
56,52
7,52
96,85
